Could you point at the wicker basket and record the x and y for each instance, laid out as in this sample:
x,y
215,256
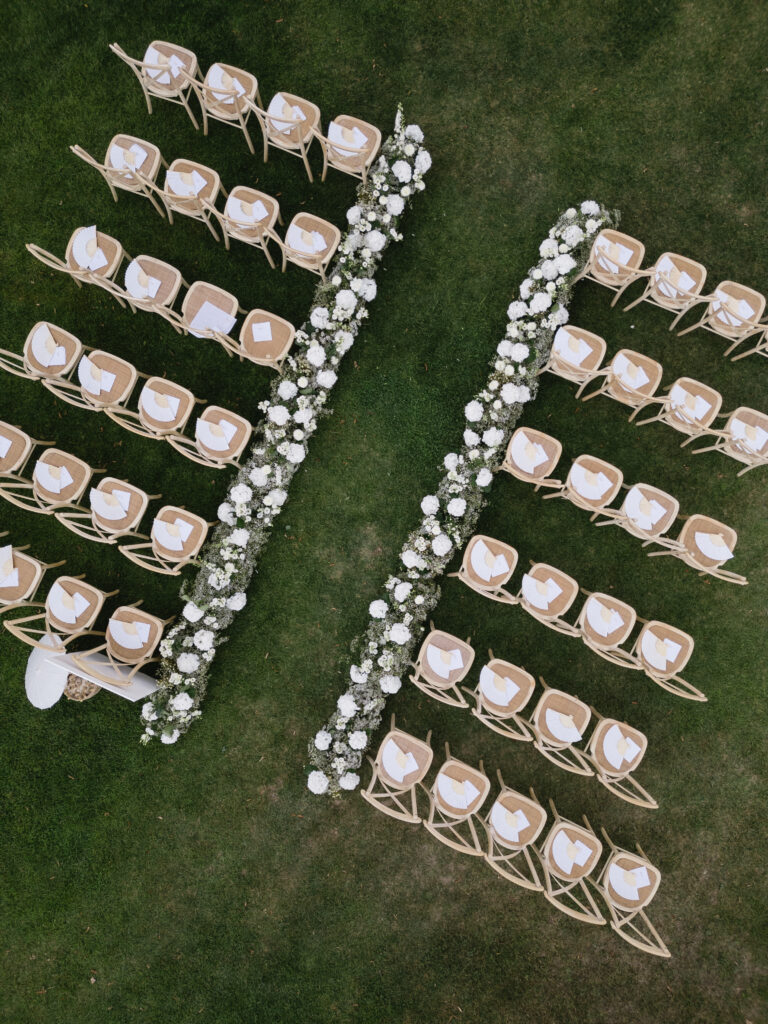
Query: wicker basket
x,y
80,689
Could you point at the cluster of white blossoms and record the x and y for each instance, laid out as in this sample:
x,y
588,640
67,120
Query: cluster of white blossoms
x,y
384,652
291,414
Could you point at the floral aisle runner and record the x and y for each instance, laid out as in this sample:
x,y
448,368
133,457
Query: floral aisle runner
x,y
385,651
296,402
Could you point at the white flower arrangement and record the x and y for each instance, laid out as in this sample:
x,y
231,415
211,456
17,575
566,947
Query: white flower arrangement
x,y
451,514
296,403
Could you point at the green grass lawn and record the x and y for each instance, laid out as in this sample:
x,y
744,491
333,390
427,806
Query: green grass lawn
x,y
202,882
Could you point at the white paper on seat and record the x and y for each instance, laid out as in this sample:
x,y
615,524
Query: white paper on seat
x,y
670,280
311,243
565,853
66,607
279,107
211,318
160,407
540,593
131,635
46,350
396,762
713,545
93,379
630,374
752,437
627,883
129,159
112,506
569,347
731,311
498,689
659,653
138,283
215,436
262,331
527,454
588,484
561,726
185,183
244,212
487,565
86,251
218,78
457,794
172,536
508,824
643,512
612,255
173,63
53,479
693,406
5,445
602,619
619,748
443,662
348,138
9,576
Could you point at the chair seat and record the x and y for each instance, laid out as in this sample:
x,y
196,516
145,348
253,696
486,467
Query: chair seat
x,y
110,247
531,454
241,228
515,821
114,377
615,256
50,351
141,157
444,660
223,422
126,626
15,446
164,406
541,574
488,563
222,79
402,760
61,606
693,405
358,157
459,790
504,688
560,718
708,542
166,52
141,276
633,377
593,482
630,882
617,747
277,121
649,510
273,343
663,650
72,473
571,852
28,572
672,277
177,534
734,308
124,496
208,191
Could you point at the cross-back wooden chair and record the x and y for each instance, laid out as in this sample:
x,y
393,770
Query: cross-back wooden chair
x,y
164,408
646,513
153,285
630,378
531,456
513,824
58,481
130,642
401,764
228,94
733,312
103,382
220,437
605,623
20,577
116,511
576,355
614,261
350,146
175,541
192,189
49,352
615,750
265,339
166,72
250,216
743,438
760,349
547,593
207,311
91,257
560,720
568,856
486,566
591,484
628,883
455,797
502,691
16,448
688,406
310,242
71,608
130,164
442,663
706,545
662,652
289,124
673,283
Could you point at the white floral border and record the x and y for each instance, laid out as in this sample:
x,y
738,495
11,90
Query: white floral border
x,y
384,652
296,402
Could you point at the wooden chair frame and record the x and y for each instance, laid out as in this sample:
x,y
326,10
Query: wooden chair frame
x,y
13,473
510,724
73,393
293,142
504,857
618,517
679,549
397,802
131,419
20,364
189,448
556,621
570,897
232,229
610,382
448,827
85,524
313,265
117,664
364,165
179,96
519,474
559,367
21,492
146,554
727,445
495,592
611,652
449,694
569,492
622,784
276,362
28,600
684,298
196,207
564,755
669,681
625,276
24,630
129,181
209,99
735,333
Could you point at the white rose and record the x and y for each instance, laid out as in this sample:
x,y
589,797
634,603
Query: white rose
x,y
323,739
349,780
484,477
519,352
181,702
358,740
378,609
402,171
457,507
241,494
317,783
473,411
148,712
237,602
319,318
375,241
389,684
441,545
347,705
430,504
192,613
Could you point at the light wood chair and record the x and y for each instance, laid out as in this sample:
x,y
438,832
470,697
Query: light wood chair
x,y
628,883
733,312
760,349
49,352
192,189
646,513
351,146
220,437
91,257
401,764
630,378
71,609
688,406
614,261
103,382
443,662
502,692
130,164
117,508
706,545
605,623
58,481
547,593
310,242
486,566
568,855
164,408
615,750
592,484
227,94
289,124
662,652
673,283
265,339
576,355
250,216
153,285
16,447
531,456
131,640
744,438
176,539
207,311
458,792
166,72
513,824
558,721
20,577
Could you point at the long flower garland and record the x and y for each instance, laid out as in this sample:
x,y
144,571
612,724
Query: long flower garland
x,y
385,651
296,402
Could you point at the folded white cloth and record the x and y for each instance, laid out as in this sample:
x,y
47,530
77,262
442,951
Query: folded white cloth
x,y
160,407
172,536
752,437
631,375
215,436
173,63
93,379
611,256
566,854
211,318
138,283
628,883
508,824
219,79
131,635
5,445
185,183
347,138
642,512
244,212
261,331
397,763
561,726
45,348
487,565
280,108
588,484
540,593
443,662
66,607
602,619
713,546
310,243
659,653
526,454
730,310
9,575
129,159
619,748
693,407
112,506
457,794
498,689
86,251
53,479
670,280
569,347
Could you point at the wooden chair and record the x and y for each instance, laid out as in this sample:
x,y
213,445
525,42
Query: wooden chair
x,y
164,408
662,651
20,578
576,355
733,312
310,242
250,216
117,508
689,407
289,124
592,484
502,692
605,623
558,721
615,750
220,437
513,824
614,261
16,447
760,349
176,539
130,164
49,352
568,855
401,763
192,189
131,640
673,283
486,566
706,545
227,95
646,513
265,339
628,883
91,257
58,481
443,662
152,285
744,438
71,608
104,381
166,71
630,378
458,792
531,456
209,312
547,593
350,146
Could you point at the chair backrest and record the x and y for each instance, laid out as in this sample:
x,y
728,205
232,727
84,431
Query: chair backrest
x,y
133,635
488,563
560,719
459,789
72,605
50,351
504,689
444,659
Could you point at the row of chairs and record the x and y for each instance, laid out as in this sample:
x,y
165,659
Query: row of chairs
x,y
676,283
604,623
558,722
192,189
509,839
230,95
646,512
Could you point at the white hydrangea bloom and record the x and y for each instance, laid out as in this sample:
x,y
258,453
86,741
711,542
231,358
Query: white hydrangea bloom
x,y
203,639
259,476
451,461
241,494
148,712
410,559
227,514
484,477
423,161
295,453
493,436
590,208
181,702
413,131
519,352
316,355
169,737
323,739
358,740
401,591
548,248
187,663
389,684
319,318
237,602
573,235
402,171
278,414
565,263
349,780
326,378
471,439
192,613
375,241
346,299
354,213
347,705
395,205
430,504
441,545
276,497
399,634
378,609
317,783
473,411
457,506
287,389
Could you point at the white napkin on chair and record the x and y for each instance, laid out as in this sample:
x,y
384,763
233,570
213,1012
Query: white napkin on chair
x,y
565,853
9,575
526,454
348,138
487,565
94,380
730,310
129,159
561,726
67,607
310,243
173,63
693,406
508,824
631,375
396,762
46,349
244,212
261,331
215,436
279,107
498,689
160,407
457,794
670,280
5,445
569,347
751,437
659,653
443,662
540,593
628,883
112,506
602,619
138,283
619,748
218,78
712,545
644,513
131,635
172,536
53,479
86,251
612,255
185,183
211,318
588,484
